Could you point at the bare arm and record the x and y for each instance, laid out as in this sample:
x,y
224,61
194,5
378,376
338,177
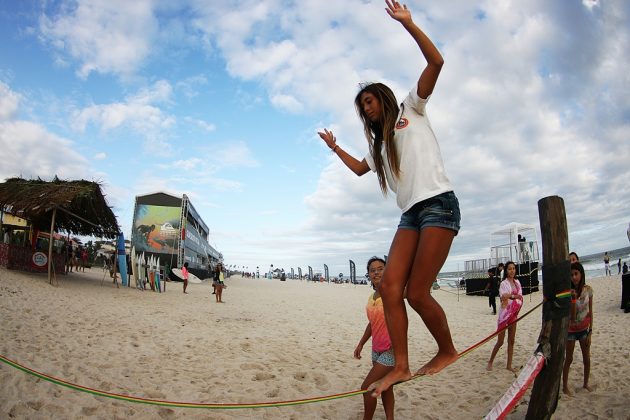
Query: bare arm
x,y
356,166
366,336
429,75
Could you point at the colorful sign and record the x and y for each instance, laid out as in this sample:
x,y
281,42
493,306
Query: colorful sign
x,y
39,259
156,228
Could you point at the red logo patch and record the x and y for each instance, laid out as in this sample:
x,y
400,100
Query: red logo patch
x,y
402,123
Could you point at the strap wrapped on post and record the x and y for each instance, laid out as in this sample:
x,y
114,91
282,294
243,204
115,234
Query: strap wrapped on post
x,y
555,307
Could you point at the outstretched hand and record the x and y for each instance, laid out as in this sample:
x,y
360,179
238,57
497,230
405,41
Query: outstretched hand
x,y
328,138
398,12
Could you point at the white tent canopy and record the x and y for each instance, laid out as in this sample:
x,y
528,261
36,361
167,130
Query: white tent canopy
x,y
514,241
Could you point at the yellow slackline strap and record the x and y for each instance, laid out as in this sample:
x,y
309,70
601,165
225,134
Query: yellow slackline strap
x,y
215,406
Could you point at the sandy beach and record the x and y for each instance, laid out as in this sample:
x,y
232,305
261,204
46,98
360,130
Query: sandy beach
x,y
270,341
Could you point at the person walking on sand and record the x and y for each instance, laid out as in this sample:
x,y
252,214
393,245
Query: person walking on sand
x,y
580,326
185,276
382,355
405,155
511,295
492,287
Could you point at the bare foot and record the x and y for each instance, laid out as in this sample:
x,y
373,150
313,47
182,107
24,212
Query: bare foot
x,y
567,391
489,367
392,378
439,362
588,388
513,370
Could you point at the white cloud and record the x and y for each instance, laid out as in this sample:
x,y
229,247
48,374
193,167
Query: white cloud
x,y
100,156
103,36
29,151
9,102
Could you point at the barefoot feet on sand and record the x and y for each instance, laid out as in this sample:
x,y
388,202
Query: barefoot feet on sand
x,y
439,362
392,378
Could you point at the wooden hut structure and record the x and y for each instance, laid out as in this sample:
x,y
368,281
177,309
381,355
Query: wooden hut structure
x,y
76,207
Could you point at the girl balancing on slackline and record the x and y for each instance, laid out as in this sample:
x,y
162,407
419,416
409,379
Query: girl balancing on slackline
x,y
405,155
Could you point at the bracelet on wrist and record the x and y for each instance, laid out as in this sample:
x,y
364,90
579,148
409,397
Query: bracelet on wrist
x,y
334,149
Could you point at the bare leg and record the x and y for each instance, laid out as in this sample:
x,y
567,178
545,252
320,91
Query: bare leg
x,y
585,345
369,402
567,365
510,349
495,349
400,259
431,253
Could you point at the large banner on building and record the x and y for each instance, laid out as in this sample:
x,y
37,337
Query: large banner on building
x,y
156,228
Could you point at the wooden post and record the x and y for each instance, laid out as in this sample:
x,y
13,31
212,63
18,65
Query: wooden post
x,y
51,240
553,334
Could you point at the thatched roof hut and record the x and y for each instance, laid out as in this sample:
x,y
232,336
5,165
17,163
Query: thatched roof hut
x,y
84,210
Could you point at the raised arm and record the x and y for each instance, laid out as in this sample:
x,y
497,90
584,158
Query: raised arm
x,y
356,166
430,74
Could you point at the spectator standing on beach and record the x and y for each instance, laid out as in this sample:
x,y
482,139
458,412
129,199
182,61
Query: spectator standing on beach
x,y
84,258
573,257
185,276
217,283
511,295
382,354
500,271
607,264
580,326
619,266
405,155
624,269
492,288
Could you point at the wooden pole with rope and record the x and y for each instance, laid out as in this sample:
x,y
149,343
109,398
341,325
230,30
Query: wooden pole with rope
x,y
553,334
51,240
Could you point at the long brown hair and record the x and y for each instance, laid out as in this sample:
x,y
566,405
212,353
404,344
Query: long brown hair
x,y
381,131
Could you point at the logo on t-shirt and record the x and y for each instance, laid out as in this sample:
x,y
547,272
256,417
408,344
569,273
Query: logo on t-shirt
x,y
402,123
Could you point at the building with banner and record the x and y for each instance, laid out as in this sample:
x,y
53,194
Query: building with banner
x,y
170,229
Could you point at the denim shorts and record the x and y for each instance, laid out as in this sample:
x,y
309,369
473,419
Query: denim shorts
x,y
579,335
439,211
385,358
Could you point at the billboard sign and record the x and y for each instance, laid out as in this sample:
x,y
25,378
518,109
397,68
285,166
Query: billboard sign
x,y
156,228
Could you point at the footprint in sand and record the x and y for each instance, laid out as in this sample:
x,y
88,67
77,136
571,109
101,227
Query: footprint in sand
x,y
273,393
263,376
300,376
251,366
321,382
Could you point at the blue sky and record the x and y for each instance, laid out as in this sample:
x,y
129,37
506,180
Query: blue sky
x,y
222,101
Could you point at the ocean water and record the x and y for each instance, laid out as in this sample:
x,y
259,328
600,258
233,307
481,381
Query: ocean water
x,y
594,264
593,267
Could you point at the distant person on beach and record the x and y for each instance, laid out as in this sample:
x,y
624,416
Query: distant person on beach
x,y
607,264
382,354
580,326
492,288
84,258
573,257
405,155
185,276
511,295
619,266
624,269
500,271
217,283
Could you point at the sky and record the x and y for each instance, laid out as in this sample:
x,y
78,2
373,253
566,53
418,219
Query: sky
x,y
222,101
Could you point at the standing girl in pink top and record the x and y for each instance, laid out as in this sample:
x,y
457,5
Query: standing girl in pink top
x,y
185,276
511,295
382,354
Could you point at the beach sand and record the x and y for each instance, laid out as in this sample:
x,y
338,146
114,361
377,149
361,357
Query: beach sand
x,y
270,341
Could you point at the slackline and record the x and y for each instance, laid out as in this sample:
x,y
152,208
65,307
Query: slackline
x,y
227,406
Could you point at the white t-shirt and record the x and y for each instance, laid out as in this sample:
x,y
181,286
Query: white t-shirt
x,y
422,173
